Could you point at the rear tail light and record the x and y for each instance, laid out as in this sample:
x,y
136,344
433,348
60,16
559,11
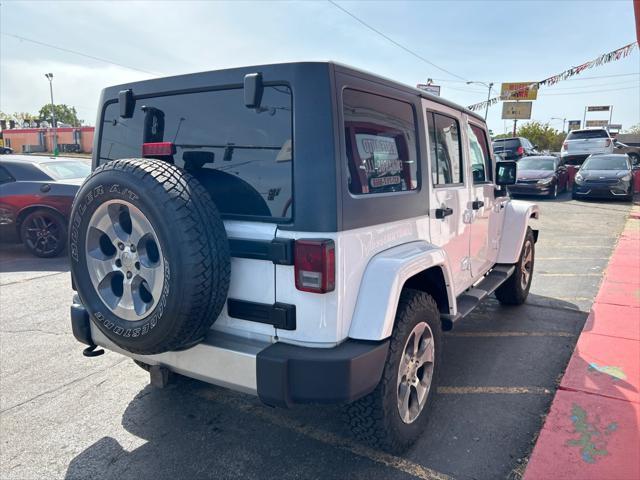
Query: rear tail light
x,y
565,146
315,265
607,142
520,151
158,149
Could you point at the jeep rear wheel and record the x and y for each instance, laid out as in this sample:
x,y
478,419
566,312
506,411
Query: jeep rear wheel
x,y
149,255
395,414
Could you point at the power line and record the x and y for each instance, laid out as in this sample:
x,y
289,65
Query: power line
x,y
591,91
75,52
386,37
568,80
610,84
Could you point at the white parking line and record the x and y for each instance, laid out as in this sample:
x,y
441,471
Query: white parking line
x,y
325,437
510,334
493,390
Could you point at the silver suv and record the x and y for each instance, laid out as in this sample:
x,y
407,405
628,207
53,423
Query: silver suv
x,y
303,232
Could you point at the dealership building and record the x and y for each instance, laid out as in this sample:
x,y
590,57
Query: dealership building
x,y
33,140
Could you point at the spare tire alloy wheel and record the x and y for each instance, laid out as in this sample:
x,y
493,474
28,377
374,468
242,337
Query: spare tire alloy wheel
x,y
149,255
124,259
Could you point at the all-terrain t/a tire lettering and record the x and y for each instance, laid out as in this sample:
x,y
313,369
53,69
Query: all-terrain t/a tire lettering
x,y
149,255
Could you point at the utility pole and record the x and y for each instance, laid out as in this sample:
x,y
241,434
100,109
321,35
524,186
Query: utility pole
x,y
489,86
515,122
53,115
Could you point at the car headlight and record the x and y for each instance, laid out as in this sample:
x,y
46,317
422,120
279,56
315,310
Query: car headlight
x,y
545,181
626,178
579,179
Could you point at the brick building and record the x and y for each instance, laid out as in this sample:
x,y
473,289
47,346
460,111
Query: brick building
x,y
70,139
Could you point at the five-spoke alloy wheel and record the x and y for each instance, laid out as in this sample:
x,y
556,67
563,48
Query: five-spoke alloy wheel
x,y
124,259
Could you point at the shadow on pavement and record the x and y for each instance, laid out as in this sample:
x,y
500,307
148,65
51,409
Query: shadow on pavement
x,y
16,258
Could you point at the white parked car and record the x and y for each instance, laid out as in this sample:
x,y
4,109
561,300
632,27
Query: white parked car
x,y
579,144
303,232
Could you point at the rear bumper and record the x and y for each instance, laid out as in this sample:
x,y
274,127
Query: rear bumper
x,y
279,373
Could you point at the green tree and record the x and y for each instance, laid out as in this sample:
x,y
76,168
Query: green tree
x,y
543,135
64,114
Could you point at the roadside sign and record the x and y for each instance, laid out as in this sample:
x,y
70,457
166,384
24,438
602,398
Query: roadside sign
x,y
598,108
429,88
574,125
615,126
516,110
596,123
519,91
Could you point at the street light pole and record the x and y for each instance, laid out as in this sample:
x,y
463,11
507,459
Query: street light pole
x,y
490,86
564,121
53,115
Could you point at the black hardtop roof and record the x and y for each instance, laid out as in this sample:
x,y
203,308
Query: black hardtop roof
x,y
231,76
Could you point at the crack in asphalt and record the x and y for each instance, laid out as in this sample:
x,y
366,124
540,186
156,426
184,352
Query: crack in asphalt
x,y
24,280
61,387
34,330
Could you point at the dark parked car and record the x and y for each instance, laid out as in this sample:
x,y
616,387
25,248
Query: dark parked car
x,y
540,175
36,194
604,176
6,150
514,148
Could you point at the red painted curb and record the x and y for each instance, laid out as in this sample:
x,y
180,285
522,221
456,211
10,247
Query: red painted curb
x,y
593,428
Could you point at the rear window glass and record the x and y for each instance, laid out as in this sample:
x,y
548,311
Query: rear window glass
x,y
511,144
380,137
242,156
63,170
583,134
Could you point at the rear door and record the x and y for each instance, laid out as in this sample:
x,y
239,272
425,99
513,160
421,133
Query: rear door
x,y
242,157
449,217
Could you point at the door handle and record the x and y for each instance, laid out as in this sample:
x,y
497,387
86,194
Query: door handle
x,y
443,212
477,204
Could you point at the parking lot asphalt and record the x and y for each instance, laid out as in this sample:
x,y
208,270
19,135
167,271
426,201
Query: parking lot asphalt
x,y
66,416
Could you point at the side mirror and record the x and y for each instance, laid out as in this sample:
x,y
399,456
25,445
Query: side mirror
x,y
506,173
535,146
253,89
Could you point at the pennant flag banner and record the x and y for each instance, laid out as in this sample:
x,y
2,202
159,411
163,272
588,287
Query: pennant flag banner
x,y
547,82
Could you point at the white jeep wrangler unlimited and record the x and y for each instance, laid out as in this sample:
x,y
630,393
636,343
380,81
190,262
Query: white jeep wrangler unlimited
x,y
303,232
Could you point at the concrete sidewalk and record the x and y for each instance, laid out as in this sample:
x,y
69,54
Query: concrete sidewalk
x,y
593,428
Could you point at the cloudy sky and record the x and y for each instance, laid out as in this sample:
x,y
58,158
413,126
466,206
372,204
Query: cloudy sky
x,y
483,41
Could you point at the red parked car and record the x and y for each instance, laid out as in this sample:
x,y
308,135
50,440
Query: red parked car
x,y
36,194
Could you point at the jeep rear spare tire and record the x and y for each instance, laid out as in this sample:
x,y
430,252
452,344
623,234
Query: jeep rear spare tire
x,y
149,255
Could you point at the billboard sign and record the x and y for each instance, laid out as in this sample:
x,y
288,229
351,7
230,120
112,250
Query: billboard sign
x,y
519,90
597,123
573,125
429,88
598,108
516,110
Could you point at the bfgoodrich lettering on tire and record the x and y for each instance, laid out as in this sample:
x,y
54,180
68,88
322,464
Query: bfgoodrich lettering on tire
x,y
395,414
149,255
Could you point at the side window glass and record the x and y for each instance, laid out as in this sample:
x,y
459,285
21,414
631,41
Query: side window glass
x,y
446,155
5,177
479,155
380,139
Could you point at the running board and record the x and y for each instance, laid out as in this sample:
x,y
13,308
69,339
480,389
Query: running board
x,y
470,299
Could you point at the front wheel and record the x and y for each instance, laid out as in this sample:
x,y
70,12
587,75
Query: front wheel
x,y
44,233
516,289
395,414
554,192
